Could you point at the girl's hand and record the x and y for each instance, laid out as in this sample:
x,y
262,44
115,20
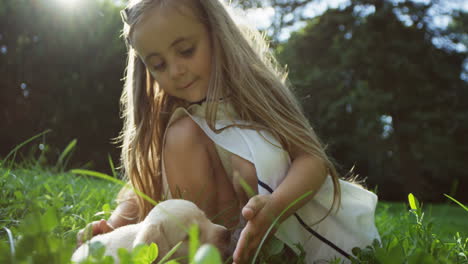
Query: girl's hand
x,y
92,229
259,218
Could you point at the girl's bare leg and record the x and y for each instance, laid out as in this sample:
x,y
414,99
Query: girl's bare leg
x,y
195,172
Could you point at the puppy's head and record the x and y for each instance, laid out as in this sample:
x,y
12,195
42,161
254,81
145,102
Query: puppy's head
x,y
168,224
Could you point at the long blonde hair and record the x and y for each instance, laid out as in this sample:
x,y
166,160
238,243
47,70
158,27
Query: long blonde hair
x,y
261,97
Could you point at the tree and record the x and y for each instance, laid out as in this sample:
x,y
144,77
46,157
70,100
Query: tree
x,y
62,71
384,97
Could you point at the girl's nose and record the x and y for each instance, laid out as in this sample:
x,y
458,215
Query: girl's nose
x,y
177,69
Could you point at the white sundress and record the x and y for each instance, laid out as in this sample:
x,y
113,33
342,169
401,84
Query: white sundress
x,y
352,225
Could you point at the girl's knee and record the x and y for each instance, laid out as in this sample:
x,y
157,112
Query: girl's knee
x,y
183,135
186,158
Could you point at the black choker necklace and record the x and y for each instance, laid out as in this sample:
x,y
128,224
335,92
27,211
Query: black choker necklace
x,y
199,102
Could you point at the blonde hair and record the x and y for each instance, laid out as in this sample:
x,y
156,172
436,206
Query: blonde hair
x,y
261,97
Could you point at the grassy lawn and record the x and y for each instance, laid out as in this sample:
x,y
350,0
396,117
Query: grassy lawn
x,y
448,218
49,207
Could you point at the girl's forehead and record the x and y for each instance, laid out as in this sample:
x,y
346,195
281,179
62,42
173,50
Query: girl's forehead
x,y
160,27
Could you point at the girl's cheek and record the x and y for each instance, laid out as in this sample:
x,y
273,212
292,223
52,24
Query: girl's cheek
x,y
161,81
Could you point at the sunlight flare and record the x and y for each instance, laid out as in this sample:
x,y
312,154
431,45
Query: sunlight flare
x,y
68,3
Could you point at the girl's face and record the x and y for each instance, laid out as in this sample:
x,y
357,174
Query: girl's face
x,y
176,49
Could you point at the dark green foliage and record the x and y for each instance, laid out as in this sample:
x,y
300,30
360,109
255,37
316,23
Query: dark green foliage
x,y
71,63
411,239
458,28
355,70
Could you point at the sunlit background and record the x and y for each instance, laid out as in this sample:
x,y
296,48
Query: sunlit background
x,y
68,3
389,97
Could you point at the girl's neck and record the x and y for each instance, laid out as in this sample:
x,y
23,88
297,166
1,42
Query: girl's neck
x,y
205,99
199,102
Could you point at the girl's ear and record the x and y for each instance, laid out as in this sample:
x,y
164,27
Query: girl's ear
x,y
153,233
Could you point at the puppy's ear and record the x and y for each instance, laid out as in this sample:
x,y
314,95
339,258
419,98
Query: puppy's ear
x,y
153,233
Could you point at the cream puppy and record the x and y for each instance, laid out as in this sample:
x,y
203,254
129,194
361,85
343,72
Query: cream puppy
x,y
166,225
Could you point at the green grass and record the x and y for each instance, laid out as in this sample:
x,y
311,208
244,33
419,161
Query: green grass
x,y
77,198
45,208
448,218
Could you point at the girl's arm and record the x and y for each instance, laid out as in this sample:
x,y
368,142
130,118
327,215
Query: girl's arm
x,y
125,214
307,173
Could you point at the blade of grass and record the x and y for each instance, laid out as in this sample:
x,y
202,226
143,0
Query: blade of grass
x,y
226,209
457,202
111,163
257,252
193,241
11,241
248,190
114,180
170,253
15,149
65,152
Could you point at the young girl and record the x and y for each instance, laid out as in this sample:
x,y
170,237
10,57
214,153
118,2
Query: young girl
x,y
207,109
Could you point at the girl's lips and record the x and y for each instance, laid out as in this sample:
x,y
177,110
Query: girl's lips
x,y
188,85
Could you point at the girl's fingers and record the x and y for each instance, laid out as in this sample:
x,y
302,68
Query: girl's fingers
x,y
85,233
248,213
247,244
79,238
242,245
97,227
238,251
92,229
105,227
253,206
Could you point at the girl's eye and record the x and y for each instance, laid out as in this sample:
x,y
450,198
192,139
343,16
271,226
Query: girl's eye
x,y
159,67
188,52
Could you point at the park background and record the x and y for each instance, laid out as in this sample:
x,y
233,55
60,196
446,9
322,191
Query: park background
x,y
383,82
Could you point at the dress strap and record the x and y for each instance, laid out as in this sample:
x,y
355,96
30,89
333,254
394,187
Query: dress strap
x,y
310,230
